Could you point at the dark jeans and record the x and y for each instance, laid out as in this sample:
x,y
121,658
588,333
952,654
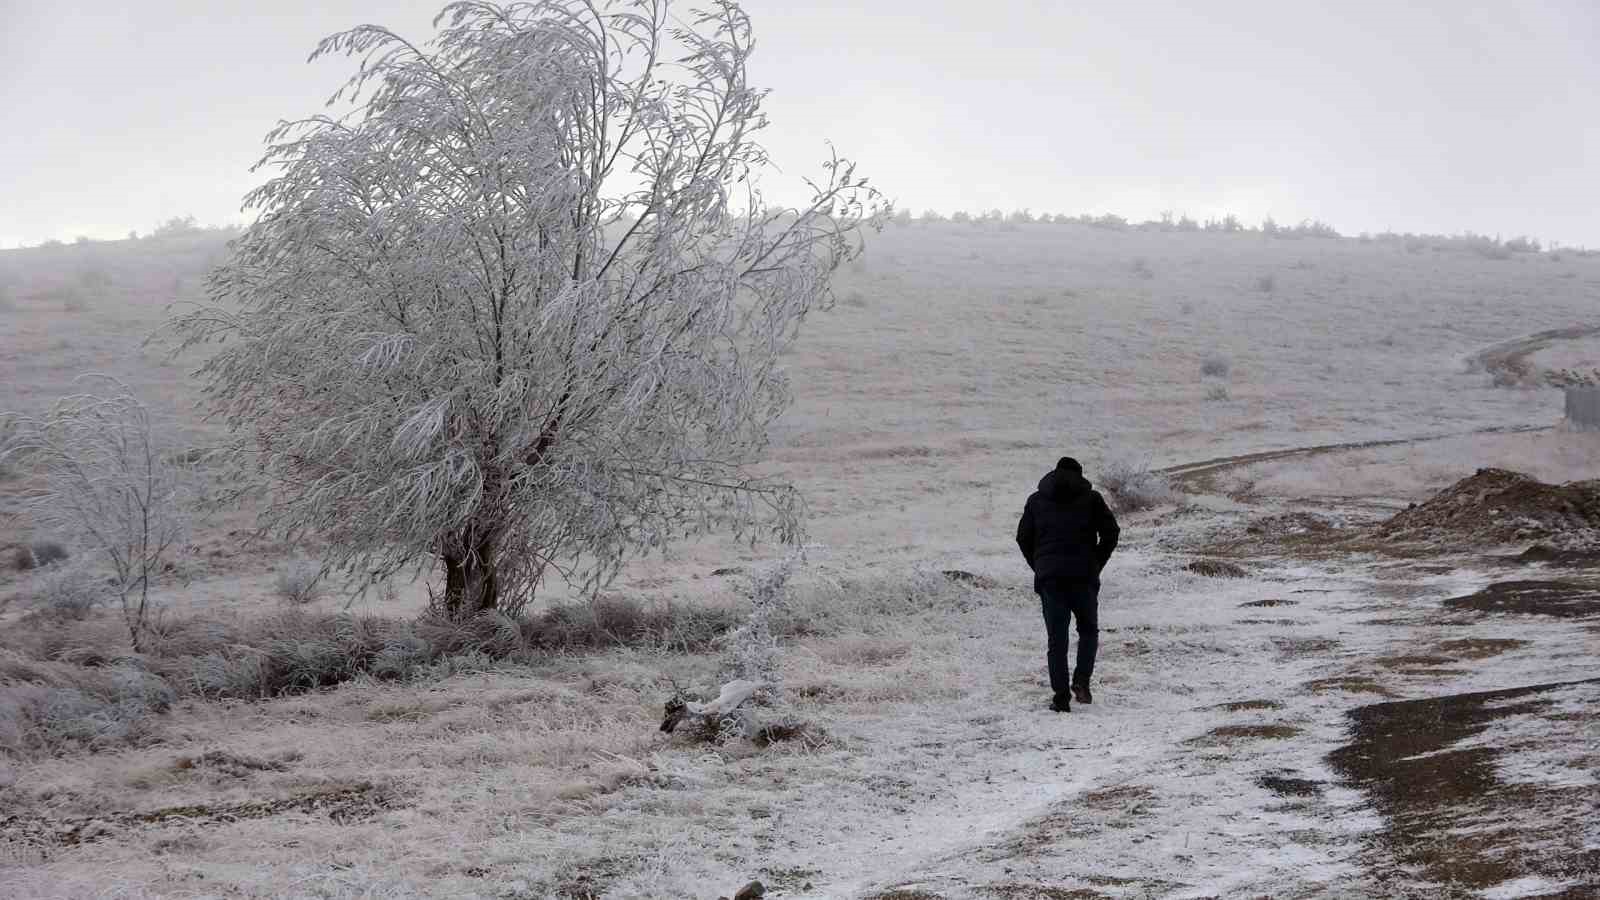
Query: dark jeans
x,y
1062,599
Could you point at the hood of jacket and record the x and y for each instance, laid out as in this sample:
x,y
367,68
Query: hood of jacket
x,y
1062,485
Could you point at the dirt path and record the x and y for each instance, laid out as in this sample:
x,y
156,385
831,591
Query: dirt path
x,y
1507,361
1193,474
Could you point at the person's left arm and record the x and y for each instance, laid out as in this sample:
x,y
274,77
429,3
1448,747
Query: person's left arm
x,y
1025,534
1106,530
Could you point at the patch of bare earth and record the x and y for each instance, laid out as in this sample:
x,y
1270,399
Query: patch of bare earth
x,y
341,805
1562,599
1479,648
1229,734
1460,816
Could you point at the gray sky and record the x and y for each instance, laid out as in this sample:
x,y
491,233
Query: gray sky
x,y
1431,115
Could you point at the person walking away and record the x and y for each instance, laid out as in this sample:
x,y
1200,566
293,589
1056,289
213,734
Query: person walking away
x,y
1067,534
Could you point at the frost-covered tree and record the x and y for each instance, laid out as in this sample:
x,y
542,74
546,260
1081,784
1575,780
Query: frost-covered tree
x,y
523,308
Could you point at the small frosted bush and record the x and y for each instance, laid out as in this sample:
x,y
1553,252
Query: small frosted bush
x,y
1217,392
299,584
70,592
1132,486
1215,366
38,554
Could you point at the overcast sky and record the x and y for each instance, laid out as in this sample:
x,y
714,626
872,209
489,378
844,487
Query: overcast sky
x,y
1426,115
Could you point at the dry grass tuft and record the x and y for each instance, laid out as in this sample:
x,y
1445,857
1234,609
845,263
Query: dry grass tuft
x,y
232,764
1242,705
53,708
1216,568
1215,366
1226,734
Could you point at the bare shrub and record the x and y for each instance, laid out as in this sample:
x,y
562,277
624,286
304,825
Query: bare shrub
x,y
1215,366
69,592
37,554
299,583
1218,392
752,647
105,480
1132,486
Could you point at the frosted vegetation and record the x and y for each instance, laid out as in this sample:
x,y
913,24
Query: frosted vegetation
x,y
544,330
498,337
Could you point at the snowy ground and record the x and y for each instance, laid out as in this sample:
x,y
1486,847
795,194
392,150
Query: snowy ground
x,y
959,364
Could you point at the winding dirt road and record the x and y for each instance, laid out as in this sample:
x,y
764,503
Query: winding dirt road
x,y
1506,361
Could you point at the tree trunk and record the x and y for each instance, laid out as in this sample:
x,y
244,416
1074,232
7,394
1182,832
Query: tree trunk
x,y
469,576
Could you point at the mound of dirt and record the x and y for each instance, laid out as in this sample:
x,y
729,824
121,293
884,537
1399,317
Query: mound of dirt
x,y
1496,506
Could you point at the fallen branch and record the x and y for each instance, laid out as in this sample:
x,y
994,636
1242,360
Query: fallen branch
x,y
711,714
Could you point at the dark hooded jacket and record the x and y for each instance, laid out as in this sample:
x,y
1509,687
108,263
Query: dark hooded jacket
x,y
1067,531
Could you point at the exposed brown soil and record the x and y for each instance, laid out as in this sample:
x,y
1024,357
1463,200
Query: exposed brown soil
x,y
1216,568
1015,890
1118,806
1497,506
1196,476
1128,798
1285,786
961,576
1434,799
1561,599
1555,557
1479,648
1270,621
1350,684
344,806
1288,525
1507,362
1242,705
1224,734
1290,648
1412,661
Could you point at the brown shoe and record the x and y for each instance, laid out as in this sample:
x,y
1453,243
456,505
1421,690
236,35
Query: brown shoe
x,y
1080,693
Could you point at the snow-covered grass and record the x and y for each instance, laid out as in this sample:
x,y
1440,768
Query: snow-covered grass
x,y
1416,471
925,412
